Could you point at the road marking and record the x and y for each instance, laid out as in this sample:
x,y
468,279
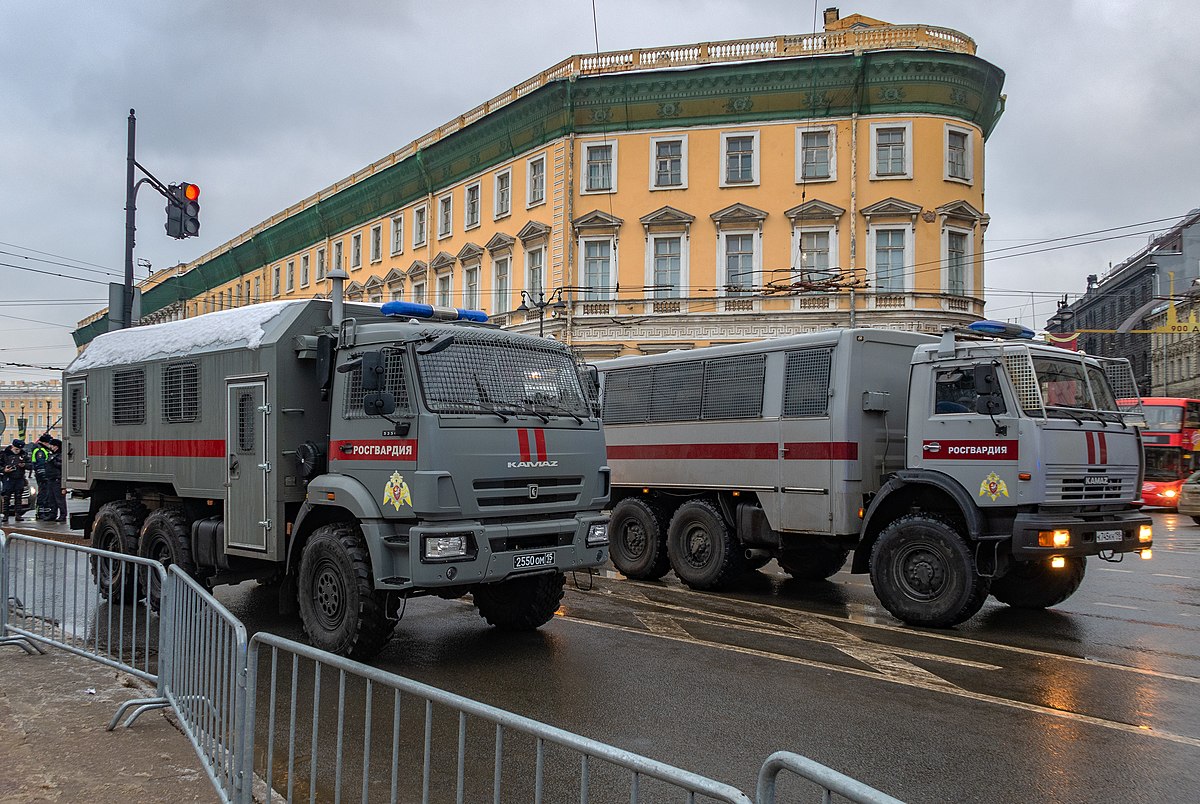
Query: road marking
x,y
911,682
1117,606
910,631
1110,569
1180,577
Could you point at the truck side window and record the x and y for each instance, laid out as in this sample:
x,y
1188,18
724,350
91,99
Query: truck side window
x,y
954,392
394,383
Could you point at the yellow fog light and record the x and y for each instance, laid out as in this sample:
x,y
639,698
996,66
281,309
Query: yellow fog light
x,y
1145,533
1147,553
1054,538
1058,562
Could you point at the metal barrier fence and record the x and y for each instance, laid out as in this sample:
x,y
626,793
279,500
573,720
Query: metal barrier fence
x,y
62,595
102,606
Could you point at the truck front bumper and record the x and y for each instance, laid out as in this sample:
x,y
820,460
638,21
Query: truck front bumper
x,y
1089,535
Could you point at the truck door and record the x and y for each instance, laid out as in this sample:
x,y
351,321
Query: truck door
x,y
75,461
246,514
978,450
809,460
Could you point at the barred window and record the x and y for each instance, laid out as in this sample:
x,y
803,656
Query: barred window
x,y
76,411
727,388
733,387
245,422
181,392
627,395
806,383
129,397
394,383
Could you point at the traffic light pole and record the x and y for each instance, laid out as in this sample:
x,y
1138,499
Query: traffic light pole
x,y
130,224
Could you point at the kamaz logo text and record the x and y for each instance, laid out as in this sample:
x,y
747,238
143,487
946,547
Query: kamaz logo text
x,y
531,464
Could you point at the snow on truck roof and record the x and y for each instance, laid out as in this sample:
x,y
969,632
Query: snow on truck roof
x,y
242,327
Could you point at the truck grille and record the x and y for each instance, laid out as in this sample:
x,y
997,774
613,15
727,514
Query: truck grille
x,y
527,491
1081,484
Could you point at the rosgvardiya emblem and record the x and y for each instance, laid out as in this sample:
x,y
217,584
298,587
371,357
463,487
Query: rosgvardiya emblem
x,y
992,486
396,492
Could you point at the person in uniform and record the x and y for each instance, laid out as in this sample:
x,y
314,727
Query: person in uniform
x,y
12,487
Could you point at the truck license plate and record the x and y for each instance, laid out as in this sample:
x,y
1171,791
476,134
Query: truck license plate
x,y
1109,536
531,560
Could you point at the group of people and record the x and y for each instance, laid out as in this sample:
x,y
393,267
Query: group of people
x,y
45,460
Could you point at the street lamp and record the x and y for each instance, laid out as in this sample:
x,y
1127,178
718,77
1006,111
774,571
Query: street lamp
x,y
554,301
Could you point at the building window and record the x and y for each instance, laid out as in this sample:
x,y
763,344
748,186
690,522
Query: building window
x,y
445,216
320,264
377,242
337,256
739,158
503,205
356,251
817,158
398,234
471,207
668,163
471,287
444,290
291,275
813,253
958,154
597,268
420,224
418,293
304,270
738,257
536,183
500,269
396,291
957,262
668,267
889,260
891,152
534,269
600,160
275,281
257,289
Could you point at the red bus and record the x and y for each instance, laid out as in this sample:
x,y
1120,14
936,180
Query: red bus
x,y
1171,442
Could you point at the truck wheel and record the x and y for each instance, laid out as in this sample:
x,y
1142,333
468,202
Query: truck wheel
x,y
813,562
637,540
520,604
116,530
339,607
703,552
1037,585
166,538
923,573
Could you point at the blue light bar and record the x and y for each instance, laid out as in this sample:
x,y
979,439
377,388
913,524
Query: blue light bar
x,y
1001,329
413,310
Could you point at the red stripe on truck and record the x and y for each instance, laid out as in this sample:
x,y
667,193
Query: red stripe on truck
x,y
158,448
767,451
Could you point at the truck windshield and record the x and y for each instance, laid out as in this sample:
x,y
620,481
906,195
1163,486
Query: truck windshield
x,y
494,371
1065,386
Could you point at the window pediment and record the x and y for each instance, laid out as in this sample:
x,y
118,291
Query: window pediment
x,y
500,242
532,231
739,215
394,275
891,208
418,269
667,217
597,220
814,211
962,213
470,251
442,261
374,283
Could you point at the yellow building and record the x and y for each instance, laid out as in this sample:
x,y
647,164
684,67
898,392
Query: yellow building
x,y
653,199
30,409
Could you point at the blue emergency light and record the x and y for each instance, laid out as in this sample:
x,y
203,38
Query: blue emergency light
x,y
1001,329
413,310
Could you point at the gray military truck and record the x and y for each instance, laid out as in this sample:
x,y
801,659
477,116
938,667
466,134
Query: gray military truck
x,y
951,467
356,454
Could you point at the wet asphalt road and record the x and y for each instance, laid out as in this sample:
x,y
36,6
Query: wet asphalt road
x,y
1094,700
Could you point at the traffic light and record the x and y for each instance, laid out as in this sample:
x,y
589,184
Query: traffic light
x,y
183,210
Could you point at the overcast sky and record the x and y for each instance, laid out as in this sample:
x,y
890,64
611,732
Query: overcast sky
x,y
264,103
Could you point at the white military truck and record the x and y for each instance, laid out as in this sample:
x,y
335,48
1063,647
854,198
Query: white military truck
x,y
951,467
359,455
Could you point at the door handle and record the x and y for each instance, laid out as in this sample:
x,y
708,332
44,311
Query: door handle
x,y
233,463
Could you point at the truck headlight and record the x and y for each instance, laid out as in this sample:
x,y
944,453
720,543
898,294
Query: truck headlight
x,y
597,534
1146,533
1054,538
445,546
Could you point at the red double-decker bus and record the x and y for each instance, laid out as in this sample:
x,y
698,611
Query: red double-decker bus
x,y
1171,442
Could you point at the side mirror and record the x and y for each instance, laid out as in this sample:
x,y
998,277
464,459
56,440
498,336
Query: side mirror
x,y
373,370
325,364
986,381
989,404
378,403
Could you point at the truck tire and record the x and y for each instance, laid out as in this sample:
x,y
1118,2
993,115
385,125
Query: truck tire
x,y
1037,585
166,538
815,562
638,540
339,608
703,551
923,572
116,529
520,604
